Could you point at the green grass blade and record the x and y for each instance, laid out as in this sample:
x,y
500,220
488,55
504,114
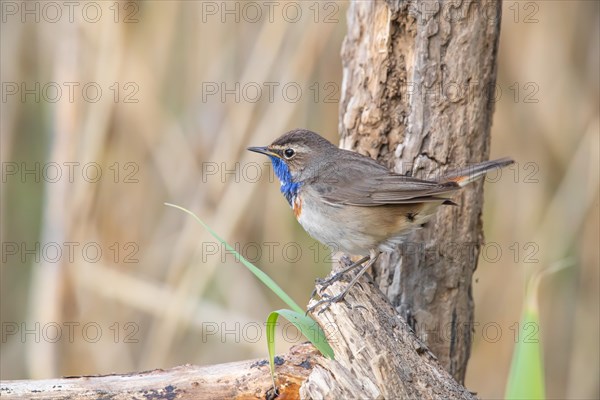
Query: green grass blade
x,y
264,278
306,325
271,323
526,376
310,329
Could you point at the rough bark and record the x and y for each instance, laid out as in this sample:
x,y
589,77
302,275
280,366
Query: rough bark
x,y
241,380
377,355
419,80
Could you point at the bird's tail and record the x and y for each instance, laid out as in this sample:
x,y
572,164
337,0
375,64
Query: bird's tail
x,y
466,175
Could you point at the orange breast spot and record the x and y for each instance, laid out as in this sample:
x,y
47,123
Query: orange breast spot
x,y
297,206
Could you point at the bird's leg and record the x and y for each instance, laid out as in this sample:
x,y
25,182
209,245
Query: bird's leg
x,y
324,283
338,275
372,258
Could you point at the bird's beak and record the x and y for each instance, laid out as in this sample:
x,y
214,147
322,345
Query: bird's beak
x,y
262,150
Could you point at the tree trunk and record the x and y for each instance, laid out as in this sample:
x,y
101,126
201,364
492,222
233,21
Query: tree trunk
x,y
377,355
419,77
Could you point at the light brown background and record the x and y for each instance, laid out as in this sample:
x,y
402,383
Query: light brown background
x,y
182,305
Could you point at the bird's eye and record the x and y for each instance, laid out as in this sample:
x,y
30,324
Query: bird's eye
x,y
289,153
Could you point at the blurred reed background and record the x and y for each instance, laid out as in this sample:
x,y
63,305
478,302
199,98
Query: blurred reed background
x,y
145,95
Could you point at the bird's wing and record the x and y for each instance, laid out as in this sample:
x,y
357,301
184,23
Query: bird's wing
x,y
368,183
391,189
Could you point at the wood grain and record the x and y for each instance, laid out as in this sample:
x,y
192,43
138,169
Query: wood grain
x,y
377,355
418,95
249,379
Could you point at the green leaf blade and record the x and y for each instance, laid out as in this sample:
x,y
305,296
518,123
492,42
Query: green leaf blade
x,y
526,377
264,278
306,325
310,329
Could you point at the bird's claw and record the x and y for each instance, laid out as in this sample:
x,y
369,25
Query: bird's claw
x,y
324,283
346,260
326,302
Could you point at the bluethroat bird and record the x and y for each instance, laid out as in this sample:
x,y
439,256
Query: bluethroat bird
x,y
354,204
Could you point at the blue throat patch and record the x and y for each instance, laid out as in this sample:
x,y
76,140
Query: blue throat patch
x,y
288,187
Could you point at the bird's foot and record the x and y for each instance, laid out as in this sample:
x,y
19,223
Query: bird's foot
x,y
325,283
322,284
346,260
326,302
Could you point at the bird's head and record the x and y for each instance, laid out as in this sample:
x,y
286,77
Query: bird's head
x,y
296,157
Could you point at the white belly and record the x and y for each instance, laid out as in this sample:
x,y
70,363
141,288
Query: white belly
x,y
357,230
333,227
